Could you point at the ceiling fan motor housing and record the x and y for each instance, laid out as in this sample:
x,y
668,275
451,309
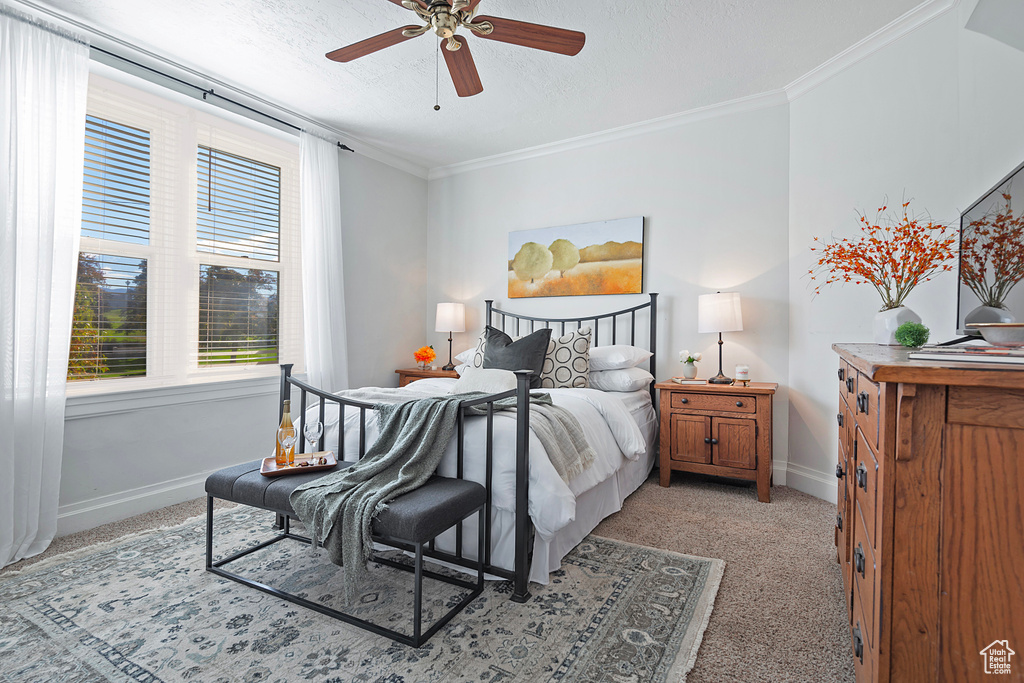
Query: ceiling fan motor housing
x,y
443,22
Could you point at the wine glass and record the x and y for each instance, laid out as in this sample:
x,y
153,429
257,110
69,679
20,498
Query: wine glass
x,y
312,431
286,437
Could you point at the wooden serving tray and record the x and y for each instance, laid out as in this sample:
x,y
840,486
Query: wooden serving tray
x,y
270,468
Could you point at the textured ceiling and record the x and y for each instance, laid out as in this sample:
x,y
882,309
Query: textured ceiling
x,y
642,60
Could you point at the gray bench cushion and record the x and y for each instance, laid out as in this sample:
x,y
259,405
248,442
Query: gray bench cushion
x,y
417,516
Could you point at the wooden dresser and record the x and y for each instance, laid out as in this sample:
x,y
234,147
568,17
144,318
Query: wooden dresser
x,y
718,429
930,520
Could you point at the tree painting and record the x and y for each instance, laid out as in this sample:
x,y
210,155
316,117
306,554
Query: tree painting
x,y
566,255
532,261
605,257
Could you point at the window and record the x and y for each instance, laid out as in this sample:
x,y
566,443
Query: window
x,y
189,263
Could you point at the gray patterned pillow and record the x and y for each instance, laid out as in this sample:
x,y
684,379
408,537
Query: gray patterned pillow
x,y
567,361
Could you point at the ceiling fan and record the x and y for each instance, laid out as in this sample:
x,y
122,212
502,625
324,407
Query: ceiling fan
x,y
445,19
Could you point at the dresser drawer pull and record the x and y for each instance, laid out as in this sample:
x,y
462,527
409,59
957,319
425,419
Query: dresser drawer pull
x,y
839,471
858,643
842,374
862,476
862,402
849,384
839,522
839,419
684,400
858,560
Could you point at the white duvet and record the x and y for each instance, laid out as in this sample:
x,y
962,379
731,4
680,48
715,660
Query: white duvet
x,y
610,429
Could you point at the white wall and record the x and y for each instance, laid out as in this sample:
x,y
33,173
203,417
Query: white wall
x,y
714,193
137,451
934,115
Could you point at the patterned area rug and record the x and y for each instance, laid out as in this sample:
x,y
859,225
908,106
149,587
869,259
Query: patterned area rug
x,y
144,609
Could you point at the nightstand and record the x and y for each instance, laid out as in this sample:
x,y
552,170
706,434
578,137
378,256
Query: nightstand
x,y
409,375
722,430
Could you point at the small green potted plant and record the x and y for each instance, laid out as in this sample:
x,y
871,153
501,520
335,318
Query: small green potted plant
x,y
912,334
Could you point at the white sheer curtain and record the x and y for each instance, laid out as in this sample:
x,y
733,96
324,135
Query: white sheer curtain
x,y
323,287
43,85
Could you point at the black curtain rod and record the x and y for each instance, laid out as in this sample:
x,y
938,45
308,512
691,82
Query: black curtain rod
x,y
204,91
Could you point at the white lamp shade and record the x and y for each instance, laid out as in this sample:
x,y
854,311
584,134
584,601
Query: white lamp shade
x,y
451,317
719,312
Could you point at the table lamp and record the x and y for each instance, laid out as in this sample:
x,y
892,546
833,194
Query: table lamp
x,y
451,317
719,312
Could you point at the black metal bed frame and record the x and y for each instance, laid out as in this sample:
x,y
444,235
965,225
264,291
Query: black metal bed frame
x,y
524,529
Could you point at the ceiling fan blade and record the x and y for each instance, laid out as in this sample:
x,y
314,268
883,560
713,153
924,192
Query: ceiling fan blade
x,y
418,2
462,68
365,47
539,37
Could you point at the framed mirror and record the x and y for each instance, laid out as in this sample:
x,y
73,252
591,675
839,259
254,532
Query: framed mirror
x,y
992,256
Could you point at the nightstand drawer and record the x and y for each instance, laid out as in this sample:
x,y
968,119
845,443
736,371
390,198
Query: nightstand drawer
x,y
717,402
866,405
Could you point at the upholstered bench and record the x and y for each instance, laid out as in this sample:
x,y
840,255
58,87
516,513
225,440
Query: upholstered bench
x,y
409,522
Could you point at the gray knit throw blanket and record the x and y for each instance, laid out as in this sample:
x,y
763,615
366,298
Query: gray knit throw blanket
x,y
413,437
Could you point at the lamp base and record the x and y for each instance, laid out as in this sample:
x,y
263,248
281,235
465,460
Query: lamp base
x,y
448,368
720,379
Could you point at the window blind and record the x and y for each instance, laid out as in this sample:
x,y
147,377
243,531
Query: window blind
x,y
115,192
108,333
238,315
238,205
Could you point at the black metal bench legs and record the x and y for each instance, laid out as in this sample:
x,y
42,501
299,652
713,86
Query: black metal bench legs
x,y
418,636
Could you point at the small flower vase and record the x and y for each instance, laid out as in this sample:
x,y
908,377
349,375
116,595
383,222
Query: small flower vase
x,y
424,366
689,370
886,322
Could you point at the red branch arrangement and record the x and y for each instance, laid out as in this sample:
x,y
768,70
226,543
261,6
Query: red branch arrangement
x,y
995,241
894,253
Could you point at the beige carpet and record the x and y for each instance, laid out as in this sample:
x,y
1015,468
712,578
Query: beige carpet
x,y
779,614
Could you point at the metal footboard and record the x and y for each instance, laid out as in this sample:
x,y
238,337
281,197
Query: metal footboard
x,y
519,575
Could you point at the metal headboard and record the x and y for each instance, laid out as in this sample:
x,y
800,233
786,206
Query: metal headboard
x,y
547,322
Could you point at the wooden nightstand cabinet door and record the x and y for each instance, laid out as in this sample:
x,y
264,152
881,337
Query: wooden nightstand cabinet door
x,y
690,435
735,442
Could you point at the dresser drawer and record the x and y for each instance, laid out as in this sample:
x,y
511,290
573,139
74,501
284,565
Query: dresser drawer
x,y
847,381
865,405
865,481
725,403
863,655
864,569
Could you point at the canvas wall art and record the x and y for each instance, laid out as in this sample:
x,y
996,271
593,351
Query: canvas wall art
x,y
605,257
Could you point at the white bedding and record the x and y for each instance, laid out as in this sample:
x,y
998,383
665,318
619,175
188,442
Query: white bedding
x,y
618,426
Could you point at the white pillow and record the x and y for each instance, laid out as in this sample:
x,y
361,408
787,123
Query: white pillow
x,y
627,379
466,356
617,357
487,380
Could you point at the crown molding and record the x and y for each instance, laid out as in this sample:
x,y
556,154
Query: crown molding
x,y
743,104
891,32
861,50
128,50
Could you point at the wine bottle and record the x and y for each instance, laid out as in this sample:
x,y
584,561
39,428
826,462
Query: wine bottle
x,y
285,456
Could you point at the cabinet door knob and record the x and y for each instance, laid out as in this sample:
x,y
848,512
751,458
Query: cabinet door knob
x,y
839,419
714,442
842,375
858,643
739,404
707,439
839,471
862,476
859,563
684,400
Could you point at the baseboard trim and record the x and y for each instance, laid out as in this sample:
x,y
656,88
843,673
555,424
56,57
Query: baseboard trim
x,y
818,484
114,507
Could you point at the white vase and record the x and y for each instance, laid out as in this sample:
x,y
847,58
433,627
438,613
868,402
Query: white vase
x,y
886,322
689,370
989,314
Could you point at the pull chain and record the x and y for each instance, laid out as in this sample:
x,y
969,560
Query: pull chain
x,y
437,76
